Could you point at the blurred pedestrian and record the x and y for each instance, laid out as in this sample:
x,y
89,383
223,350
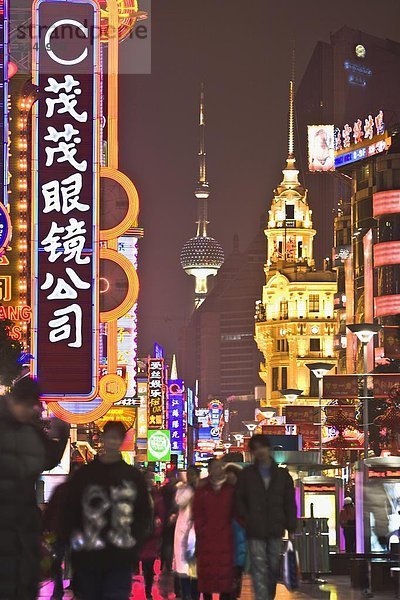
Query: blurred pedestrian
x,y
233,471
108,515
213,513
266,503
347,520
53,517
151,550
167,583
185,537
25,452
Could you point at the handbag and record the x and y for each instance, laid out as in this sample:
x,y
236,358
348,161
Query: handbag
x,y
291,568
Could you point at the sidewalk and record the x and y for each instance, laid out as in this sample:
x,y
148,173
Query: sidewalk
x,y
337,588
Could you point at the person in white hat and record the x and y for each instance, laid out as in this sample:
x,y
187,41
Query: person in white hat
x,y
347,520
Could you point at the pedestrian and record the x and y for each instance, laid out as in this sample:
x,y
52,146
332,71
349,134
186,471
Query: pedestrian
x,y
213,507
151,550
347,520
53,516
167,583
233,471
25,452
265,501
185,536
107,518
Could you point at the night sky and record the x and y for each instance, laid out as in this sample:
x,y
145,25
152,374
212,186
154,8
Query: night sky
x,y
242,51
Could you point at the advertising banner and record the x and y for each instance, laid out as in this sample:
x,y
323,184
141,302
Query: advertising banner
x,y
158,445
156,393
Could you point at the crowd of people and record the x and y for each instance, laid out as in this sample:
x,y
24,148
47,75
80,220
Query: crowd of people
x,y
111,522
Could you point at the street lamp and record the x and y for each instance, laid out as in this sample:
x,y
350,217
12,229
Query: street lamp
x,y
251,426
290,394
365,332
319,370
239,438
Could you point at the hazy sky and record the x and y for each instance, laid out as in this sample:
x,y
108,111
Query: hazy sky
x,y
242,51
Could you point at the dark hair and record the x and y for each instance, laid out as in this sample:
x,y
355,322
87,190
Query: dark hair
x,y
116,426
211,462
194,469
26,391
233,468
259,439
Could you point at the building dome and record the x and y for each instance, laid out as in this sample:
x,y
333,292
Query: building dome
x,y
202,253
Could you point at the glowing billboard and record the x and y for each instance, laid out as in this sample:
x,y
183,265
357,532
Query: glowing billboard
x,y
321,153
65,186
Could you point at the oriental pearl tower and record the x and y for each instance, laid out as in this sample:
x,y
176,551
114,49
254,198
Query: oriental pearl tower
x,y
202,256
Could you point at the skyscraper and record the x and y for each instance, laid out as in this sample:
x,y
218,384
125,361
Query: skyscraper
x,y
295,318
202,256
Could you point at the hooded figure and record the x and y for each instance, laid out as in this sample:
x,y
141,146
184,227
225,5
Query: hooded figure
x,y
25,452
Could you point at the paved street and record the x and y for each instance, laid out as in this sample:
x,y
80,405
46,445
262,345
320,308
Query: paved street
x,y
337,588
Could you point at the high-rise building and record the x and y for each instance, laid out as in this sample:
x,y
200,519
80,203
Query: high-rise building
x,y
202,256
295,318
351,75
217,345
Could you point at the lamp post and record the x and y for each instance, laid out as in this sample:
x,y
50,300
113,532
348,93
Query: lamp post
x,y
251,426
290,394
319,370
365,332
239,438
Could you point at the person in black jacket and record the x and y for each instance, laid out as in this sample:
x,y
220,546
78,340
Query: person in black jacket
x,y
265,502
25,452
108,514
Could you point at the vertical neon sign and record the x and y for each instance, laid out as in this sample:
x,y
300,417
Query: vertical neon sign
x,y
65,245
4,100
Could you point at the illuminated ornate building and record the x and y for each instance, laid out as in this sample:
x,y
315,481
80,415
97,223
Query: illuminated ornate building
x,y
202,256
295,318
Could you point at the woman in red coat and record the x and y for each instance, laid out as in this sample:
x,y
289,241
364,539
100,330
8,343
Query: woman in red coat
x,y
213,514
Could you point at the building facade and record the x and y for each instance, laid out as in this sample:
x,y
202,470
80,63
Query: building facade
x,y
295,317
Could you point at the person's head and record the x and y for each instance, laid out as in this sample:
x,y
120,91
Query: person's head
x,y
216,470
23,401
232,473
260,447
192,475
114,433
348,501
149,476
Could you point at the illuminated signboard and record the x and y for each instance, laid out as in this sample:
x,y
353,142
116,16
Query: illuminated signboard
x,y
359,132
65,198
158,445
155,403
5,228
3,101
347,158
127,325
176,414
216,418
141,421
321,152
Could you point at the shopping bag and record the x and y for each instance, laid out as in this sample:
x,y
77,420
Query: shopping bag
x,y
291,568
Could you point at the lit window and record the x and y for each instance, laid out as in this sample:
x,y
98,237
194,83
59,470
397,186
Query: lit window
x,y
313,303
284,310
315,344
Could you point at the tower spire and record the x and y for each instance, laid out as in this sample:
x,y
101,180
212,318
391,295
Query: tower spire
x,y
202,150
291,122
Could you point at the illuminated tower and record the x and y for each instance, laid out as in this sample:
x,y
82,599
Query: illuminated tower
x,y
202,255
295,318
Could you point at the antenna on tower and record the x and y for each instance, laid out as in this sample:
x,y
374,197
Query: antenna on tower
x,y
291,106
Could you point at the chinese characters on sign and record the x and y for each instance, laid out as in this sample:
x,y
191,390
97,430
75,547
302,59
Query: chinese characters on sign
x,y
359,131
65,199
3,100
176,414
155,405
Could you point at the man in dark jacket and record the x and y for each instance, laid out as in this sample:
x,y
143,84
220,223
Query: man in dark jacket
x,y
25,452
265,501
108,516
